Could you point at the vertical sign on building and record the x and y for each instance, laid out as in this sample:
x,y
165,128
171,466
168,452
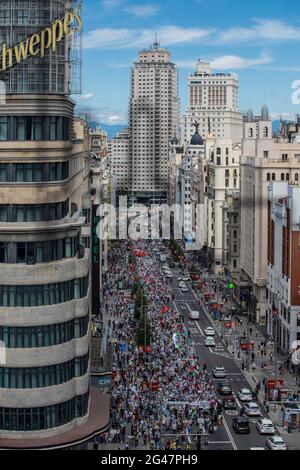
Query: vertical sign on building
x,y
95,262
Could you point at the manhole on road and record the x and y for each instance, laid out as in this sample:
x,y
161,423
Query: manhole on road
x,y
232,412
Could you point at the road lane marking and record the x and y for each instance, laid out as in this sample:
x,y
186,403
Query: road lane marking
x,y
230,435
199,328
219,442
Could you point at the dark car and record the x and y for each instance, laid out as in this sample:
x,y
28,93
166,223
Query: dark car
x,y
229,402
241,425
224,388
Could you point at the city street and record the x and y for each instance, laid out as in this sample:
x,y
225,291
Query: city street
x,y
224,438
170,416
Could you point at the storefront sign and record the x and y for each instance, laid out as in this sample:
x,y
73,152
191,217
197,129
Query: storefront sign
x,y
38,43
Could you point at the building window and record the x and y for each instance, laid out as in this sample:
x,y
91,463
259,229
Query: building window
x,y
44,294
3,128
38,377
44,417
250,132
34,212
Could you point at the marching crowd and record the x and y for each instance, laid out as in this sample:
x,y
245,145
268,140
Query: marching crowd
x,y
161,395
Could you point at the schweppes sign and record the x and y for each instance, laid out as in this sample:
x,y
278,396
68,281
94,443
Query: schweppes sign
x,y
39,43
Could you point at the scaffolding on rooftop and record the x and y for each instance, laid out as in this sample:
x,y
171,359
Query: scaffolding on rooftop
x,y
59,72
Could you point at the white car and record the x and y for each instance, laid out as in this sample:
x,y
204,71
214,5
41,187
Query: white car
x,y
170,275
219,372
184,288
245,395
209,341
194,315
252,409
209,331
186,279
265,426
276,443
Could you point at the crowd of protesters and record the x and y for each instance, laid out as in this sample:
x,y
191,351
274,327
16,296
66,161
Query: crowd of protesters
x,y
161,394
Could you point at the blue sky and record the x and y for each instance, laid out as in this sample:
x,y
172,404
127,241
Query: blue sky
x,y
259,40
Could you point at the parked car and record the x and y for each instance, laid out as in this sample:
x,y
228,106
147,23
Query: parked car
x,y
276,443
224,388
241,425
265,426
252,409
245,394
219,372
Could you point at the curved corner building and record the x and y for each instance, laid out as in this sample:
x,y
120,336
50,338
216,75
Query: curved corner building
x,y
44,270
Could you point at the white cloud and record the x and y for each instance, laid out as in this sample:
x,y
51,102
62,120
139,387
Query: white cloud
x,y
105,114
235,62
229,62
85,97
111,4
262,30
287,116
110,38
142,11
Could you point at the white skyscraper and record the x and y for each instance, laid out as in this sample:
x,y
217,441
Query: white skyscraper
x,y
213,102
153,120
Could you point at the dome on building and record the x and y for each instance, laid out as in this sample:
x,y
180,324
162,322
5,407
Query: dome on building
x,y
264,113
250,115
197,139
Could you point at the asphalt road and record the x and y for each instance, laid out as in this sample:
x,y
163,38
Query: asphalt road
x,y
225,437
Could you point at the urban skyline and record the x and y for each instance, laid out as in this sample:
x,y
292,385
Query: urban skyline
x,y
255,41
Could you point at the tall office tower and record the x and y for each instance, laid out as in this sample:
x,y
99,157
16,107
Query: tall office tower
x,y
154,118
213,102
44,269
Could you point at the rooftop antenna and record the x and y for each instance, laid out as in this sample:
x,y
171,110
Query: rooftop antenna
x,y
156,43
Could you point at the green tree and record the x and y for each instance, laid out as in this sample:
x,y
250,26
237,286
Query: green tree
x,y
144,331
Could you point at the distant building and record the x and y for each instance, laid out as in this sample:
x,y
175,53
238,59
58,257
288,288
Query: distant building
x,y
283,269
213,102
264,159
223,179
98,142
121,160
